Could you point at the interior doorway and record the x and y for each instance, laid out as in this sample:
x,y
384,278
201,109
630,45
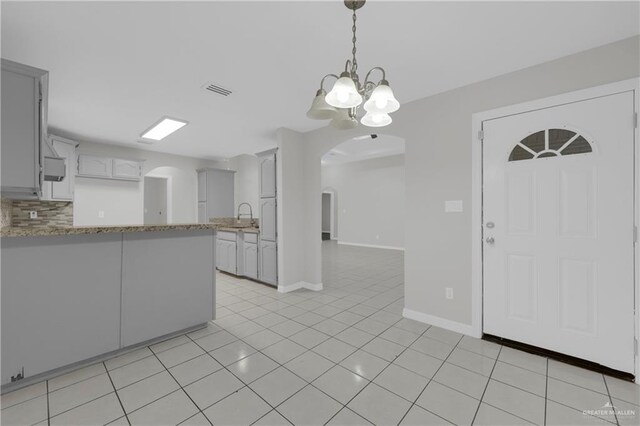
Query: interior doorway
x,y
155,200
328,216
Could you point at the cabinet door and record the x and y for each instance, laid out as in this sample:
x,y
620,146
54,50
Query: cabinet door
x,y
64,190
220,193
250,259
89,165
221,255
268,254
202,186
20,132
65,310
268,219
126,169
202,212
268,176
232,258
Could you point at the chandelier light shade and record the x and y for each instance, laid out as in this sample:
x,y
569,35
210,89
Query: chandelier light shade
x,y
376,119
344,119
348,93
320,109
344,93
382,100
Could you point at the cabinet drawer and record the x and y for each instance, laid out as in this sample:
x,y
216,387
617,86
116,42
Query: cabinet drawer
x,y
227,236
250,237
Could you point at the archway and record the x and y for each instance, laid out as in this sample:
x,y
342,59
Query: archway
x,y
367,171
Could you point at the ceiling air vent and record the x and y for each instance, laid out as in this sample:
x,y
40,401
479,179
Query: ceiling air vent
x,y
211,87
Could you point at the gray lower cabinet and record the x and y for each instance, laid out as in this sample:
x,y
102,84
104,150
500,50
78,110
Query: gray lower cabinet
x,y
268,259
60,300
160,300
250,260
226,256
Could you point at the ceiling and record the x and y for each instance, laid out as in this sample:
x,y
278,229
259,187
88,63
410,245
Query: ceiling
x,y
116,68
364,148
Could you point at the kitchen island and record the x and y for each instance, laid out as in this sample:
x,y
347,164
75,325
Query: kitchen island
x,y
78,294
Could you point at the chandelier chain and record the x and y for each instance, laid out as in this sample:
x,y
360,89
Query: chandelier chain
x,y
354,62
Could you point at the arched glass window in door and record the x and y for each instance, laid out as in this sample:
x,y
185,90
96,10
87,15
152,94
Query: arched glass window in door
x,y
550,143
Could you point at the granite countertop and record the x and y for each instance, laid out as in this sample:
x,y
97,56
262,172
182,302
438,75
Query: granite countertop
x,y
251,229
77,230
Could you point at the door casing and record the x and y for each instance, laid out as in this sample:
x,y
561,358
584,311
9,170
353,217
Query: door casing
x,y
477,246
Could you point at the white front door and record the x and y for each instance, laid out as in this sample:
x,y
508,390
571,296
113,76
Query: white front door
x,y
558,223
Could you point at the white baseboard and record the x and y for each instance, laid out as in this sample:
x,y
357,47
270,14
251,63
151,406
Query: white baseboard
x,y
299,285
344,243
458,327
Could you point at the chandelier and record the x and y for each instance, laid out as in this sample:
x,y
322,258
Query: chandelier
x,y
341,103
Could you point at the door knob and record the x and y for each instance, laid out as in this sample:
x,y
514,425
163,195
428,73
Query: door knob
x,y
490,240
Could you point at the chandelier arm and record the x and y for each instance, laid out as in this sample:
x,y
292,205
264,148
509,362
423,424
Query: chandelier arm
x,y
324,78
366,79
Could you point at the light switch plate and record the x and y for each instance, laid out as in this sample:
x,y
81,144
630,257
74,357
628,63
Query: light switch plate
x,y
453,206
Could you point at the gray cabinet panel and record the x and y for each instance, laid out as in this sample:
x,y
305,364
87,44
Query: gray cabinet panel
x,y
220,193
21,129
63,310
202,186
92,166
202,212
268,262
268,176
167,283
268,219
250,260
126,169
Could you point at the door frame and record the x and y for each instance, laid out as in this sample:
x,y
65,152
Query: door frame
x,y
332,214
477,245
168,189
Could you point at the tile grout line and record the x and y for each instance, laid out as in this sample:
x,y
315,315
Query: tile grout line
x,y
429,382
546,393
178,383
126,416
486,386
245,385
48,408
615,415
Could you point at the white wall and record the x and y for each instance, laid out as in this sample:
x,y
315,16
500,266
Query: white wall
x,y
369,198
123,202
247,181
437,133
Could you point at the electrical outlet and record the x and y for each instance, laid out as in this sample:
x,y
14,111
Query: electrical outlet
x,y
449,293
33,214
101,214
377,237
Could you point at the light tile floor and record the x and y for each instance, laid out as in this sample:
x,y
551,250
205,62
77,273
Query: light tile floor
x,y
342,356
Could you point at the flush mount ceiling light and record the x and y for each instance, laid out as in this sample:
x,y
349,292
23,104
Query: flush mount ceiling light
x,y
341,103
163,128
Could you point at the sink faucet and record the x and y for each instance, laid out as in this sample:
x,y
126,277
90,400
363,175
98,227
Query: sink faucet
x,y
244,214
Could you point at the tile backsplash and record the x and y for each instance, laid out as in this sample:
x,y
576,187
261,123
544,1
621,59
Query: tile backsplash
x,y
50,213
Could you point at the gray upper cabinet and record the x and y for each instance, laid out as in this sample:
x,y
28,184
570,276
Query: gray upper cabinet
x,y
109,168
216,191
202,185
126,169
92,166
268,219
268,175
24,92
